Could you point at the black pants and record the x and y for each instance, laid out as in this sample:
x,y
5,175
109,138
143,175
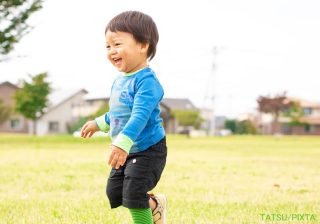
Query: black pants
x,y
128,185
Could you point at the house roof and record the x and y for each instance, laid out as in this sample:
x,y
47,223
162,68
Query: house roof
x,y
6,83
179,104
92,99
59,97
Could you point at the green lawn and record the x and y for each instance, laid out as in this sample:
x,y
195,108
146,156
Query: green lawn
x,y
240,179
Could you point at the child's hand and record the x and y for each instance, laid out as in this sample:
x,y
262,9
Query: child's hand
x,y
117,157
88,129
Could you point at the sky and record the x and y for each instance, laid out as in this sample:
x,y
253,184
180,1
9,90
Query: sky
x,y
261,48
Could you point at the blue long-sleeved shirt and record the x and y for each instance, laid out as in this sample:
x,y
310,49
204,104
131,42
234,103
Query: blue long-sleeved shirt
x,y
134,111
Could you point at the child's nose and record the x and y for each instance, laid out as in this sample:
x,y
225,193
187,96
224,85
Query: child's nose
x,y
112,51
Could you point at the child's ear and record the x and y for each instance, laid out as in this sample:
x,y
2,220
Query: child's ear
x,y
144,47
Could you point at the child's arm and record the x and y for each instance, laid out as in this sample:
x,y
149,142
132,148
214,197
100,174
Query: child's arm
x,y
103,122
149,93
99,124
88,129
117,157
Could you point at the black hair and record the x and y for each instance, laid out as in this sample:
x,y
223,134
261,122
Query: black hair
x,y
140,25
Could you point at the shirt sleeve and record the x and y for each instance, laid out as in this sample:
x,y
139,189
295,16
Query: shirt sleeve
x,y
149,93
103,122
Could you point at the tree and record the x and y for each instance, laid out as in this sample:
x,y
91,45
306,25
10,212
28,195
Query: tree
x,y
188,118
32,98
246,127
13,21
240,127
295,113
5,112
273,105
231,125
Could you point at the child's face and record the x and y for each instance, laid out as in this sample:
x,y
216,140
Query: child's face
x,y
125,53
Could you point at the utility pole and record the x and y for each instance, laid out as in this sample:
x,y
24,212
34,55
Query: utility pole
x,y
212,96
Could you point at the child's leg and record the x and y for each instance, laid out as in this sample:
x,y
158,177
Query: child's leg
x,y
142,173
145,216
115,187
141,215
152,204
159,212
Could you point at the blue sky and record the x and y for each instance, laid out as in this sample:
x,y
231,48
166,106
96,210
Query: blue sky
x,y
264,47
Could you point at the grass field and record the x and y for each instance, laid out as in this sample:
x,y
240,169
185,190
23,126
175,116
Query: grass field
x,y
239,179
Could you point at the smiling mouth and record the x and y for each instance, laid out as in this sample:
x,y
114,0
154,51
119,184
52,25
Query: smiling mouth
x,y
117,61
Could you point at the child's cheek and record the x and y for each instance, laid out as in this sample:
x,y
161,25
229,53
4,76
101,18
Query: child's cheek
x,y
119,51
109,57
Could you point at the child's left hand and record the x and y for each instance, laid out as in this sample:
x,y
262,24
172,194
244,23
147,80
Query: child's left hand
x,y
117,157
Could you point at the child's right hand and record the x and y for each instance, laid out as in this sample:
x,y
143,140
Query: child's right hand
x,y
89,128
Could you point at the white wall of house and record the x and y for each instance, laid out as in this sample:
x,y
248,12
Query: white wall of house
x,y
87,108
55,121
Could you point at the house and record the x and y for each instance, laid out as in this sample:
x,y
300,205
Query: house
x,y
16,123
170,104
219,123
179,104
60,115
89,105
169,122
309,122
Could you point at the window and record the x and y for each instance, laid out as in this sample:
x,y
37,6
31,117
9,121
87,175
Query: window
x,y
53,126
307,111
15,124
309,128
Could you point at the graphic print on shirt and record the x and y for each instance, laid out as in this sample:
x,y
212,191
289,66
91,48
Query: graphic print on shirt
x,y
126,98
120,107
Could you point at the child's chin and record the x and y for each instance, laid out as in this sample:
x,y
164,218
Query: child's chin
x,y
121,70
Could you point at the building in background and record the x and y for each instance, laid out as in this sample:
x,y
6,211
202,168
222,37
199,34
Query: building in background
x,y
308,123
171,104
16,123
60,115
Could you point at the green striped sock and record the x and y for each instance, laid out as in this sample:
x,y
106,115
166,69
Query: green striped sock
x,y
141,215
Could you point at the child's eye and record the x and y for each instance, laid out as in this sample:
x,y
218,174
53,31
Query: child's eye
x,y
108,47
117,44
